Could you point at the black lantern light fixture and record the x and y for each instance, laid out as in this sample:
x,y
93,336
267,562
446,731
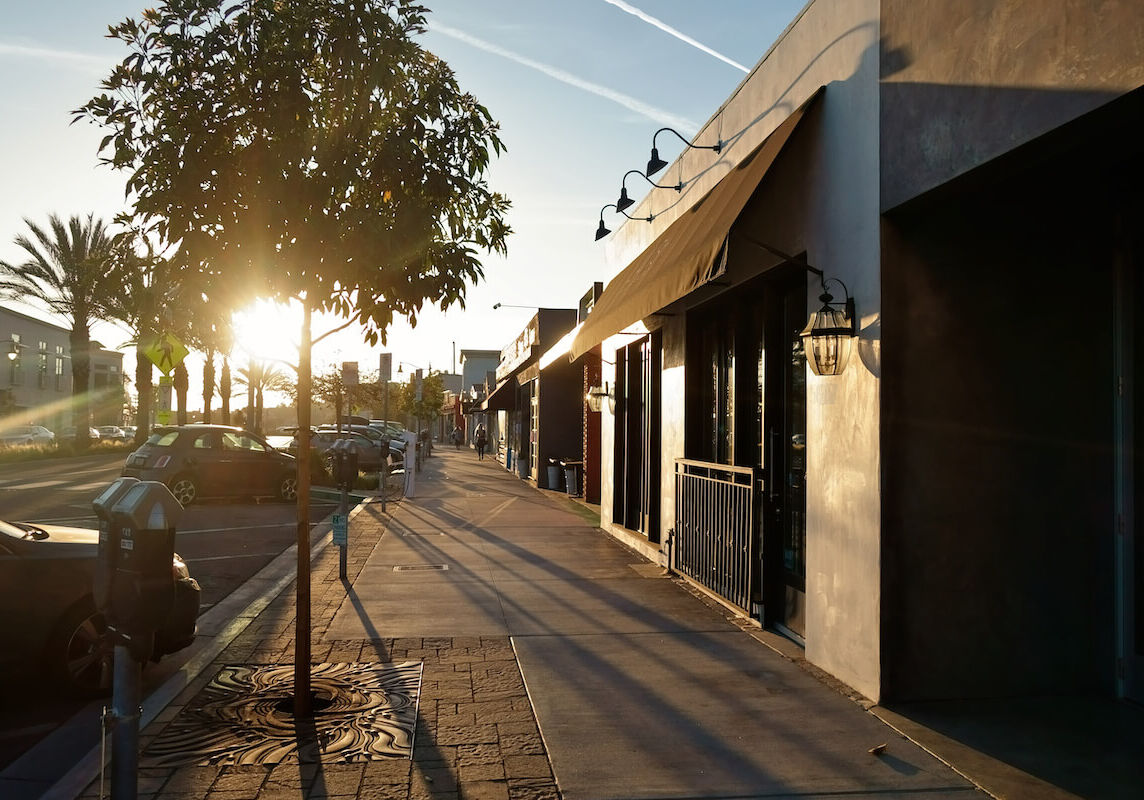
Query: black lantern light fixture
x,y
603,230
596,396
626,202
655,163
830,332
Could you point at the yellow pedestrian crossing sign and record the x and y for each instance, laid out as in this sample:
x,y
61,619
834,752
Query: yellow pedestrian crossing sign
x,y
165,351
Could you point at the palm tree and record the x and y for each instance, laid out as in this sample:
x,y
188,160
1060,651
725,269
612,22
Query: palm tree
x,y
262,376
144,286
67,270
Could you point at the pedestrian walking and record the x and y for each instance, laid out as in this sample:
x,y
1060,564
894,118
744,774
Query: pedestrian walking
x,y
481,440
458,436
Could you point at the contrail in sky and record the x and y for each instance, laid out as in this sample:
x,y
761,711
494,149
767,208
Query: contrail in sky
x,y
58,56
683,37
651,112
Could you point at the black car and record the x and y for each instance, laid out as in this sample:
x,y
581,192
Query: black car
x,y
46,574
197,461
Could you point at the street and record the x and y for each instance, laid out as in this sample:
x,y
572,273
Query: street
x,y
223,542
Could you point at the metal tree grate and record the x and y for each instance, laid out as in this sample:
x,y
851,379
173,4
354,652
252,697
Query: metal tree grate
x,y
362,712
420,567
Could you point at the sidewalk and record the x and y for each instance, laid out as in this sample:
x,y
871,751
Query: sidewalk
x,y
524,655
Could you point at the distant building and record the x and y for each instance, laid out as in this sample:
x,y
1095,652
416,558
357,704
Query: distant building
x,y
36,375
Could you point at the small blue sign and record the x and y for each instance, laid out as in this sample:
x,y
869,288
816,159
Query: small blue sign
x,y
341,529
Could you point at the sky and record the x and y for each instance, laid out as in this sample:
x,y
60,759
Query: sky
x,y
578,86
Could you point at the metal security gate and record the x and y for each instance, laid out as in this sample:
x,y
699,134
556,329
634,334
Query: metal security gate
x,y
715,507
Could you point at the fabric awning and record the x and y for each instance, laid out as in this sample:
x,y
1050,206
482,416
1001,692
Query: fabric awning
x,y
502,398
680,260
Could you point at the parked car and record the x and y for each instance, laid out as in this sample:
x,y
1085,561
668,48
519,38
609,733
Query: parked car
x,y
392,429
46,574
69,433
20,435
200,460
111,433
368,450
129,431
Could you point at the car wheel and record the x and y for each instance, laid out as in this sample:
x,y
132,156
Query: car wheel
x,y
184,489
288,488
79,653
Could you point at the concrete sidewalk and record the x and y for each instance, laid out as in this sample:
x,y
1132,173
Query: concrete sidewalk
x,y
534,658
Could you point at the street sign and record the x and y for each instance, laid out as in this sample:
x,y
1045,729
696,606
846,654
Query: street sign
x,y
349,373
385,371
164,350
418,379
341,529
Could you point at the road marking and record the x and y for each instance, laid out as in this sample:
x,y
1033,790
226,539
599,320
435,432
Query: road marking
x,y
40,485
228,558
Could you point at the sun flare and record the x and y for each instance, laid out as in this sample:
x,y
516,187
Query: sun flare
x,y
267,331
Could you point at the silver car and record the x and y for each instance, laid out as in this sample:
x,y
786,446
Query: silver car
x,y
23,435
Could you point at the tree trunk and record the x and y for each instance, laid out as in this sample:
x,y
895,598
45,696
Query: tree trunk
x,y
258,409
80,341
182,384
143,367
302,706
224,390
208,385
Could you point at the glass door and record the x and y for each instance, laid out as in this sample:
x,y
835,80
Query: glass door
x,y
781,417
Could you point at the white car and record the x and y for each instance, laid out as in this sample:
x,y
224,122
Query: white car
x,y
21,435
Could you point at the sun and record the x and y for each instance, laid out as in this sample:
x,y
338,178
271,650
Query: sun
x,y
267,331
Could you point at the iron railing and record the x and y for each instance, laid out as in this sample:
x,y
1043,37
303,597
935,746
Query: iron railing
x,y
715,507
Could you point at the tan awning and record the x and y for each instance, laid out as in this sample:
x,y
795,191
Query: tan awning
x,y
681,259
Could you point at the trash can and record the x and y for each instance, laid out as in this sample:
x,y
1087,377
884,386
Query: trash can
x,y
508,459
554,474
523,468
572,476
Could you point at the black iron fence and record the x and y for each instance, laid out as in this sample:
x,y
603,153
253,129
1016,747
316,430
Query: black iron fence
x,y
714,525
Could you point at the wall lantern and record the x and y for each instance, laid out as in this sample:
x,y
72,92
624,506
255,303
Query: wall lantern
x,y
596,397
829,333
11,349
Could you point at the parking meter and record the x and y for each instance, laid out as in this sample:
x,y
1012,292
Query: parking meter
x,y
107,559
143,584
345,458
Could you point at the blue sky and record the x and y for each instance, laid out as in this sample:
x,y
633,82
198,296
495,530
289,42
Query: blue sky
x,y
579,87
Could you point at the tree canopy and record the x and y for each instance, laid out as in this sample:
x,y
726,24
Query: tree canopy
x,y
319,153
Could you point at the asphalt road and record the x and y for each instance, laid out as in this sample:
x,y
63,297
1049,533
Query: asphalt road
x,y
223,542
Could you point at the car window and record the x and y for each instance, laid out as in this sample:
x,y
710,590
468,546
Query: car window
x,y
163,439
202,442
236,441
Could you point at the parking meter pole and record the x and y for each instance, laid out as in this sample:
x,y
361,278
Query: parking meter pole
x,y
343,509
384,477
125,719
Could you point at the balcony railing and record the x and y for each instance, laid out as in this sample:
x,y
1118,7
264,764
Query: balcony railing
x,y
715,508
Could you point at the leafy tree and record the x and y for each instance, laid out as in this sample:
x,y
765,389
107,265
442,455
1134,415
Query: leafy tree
x,y
431,402
67,270
305,151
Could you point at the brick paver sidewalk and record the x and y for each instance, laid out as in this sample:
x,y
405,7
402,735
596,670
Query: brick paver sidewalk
x,y
476,733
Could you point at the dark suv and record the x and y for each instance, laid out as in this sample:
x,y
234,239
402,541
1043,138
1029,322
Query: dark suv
x,y
213,461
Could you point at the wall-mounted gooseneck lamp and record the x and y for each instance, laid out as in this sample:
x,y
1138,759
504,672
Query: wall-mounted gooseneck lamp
x,y
603,231
626,202
655,163
596,396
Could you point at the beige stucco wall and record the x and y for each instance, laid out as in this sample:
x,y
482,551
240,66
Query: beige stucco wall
x,y
834,43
